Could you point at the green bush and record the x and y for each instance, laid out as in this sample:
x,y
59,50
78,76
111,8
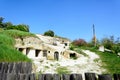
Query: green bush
x,y
49,33
79,42
21,27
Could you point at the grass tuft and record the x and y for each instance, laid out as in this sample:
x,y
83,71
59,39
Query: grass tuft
x,y
63,70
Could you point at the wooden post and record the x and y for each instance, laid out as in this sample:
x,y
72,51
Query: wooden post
x,y
90,76
48,77
104,77
116,76
66,76
56,77
76,77
41,76
94,36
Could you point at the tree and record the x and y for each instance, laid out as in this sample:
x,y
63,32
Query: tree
x,y
1,22
21,27
8,24
49,33
79,42
1,19
108,42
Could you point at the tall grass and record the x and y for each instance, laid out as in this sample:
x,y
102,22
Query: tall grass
x,y
8,54
110,61
7,51
17,33
7,40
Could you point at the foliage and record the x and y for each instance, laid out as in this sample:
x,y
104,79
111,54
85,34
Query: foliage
x,y
21,27
6,40
79,50
1,22
112,44
63,70
107,43
116,48
49,33
8,54
110,61
9,25
7,51
79,42
17,33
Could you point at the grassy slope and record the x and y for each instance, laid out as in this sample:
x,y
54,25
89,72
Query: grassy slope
x,y
7,51
17,33
110,61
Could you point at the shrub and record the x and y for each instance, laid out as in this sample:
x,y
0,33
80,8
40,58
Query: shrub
x,y
21,27
79,42
49,33
107,43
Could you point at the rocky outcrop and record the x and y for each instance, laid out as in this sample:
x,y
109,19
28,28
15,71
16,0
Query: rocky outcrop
x,y
47,47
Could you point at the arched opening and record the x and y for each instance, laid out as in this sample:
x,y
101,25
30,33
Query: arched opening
x,y
66,44
27,51
44,53
21,49
56,56
73,55
37,53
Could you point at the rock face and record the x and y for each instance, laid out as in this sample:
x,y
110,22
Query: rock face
x,y
50,54
47,47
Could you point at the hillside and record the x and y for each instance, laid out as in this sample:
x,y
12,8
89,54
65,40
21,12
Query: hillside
x,y
8,53
53,54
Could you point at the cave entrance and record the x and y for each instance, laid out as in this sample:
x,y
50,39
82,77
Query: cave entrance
x,y
37,53
73,55
27,51
21,49
44,53
56,56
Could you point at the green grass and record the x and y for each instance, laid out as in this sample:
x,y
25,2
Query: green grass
x,y
8,54
17,33
7,40
79,50
63,70
110,61
7,51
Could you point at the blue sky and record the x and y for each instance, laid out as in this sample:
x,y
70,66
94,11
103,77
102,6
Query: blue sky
x,y
68,18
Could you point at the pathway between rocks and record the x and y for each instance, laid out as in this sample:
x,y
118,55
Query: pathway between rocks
x,y
83,64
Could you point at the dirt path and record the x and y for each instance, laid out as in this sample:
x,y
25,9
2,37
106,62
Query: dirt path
x,y
90,63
